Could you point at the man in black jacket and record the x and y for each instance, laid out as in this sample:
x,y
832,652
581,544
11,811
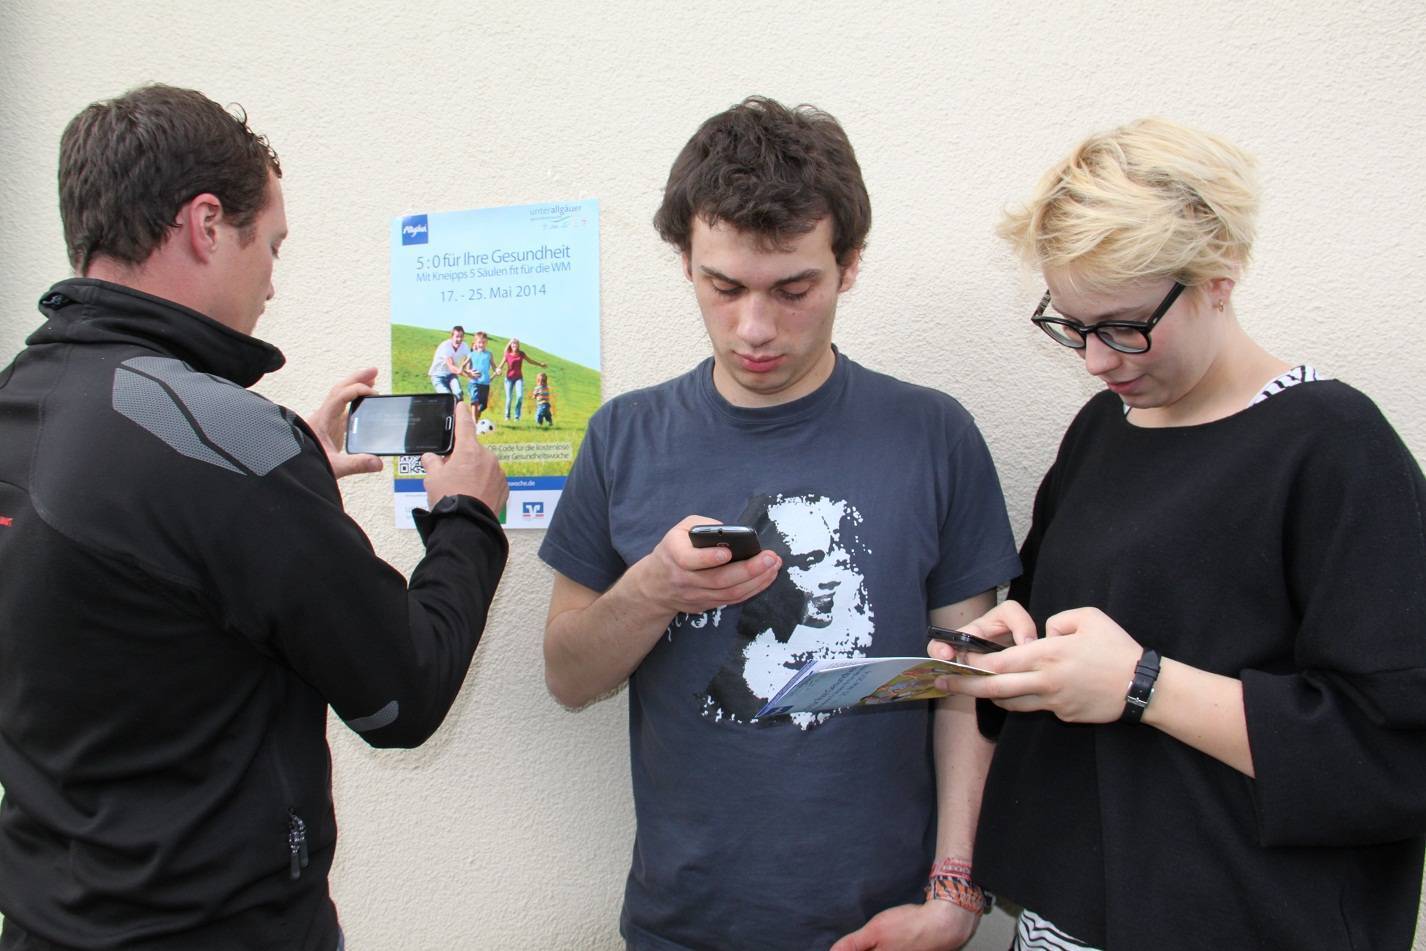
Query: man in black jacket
x,y
181,593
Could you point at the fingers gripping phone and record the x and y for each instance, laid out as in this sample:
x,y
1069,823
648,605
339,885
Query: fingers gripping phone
x,y
738,539
402,425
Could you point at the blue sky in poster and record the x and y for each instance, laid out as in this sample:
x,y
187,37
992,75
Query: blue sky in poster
x,y
527,271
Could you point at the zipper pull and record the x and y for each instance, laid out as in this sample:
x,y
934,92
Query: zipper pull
x,y
296,845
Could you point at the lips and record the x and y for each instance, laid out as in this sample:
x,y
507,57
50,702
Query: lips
x,y
1124,387
759,364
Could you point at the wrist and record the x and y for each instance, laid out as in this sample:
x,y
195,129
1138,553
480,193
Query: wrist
x,y
1141,688
950,881
636,597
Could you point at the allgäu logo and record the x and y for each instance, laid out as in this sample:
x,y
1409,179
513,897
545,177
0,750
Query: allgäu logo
x,y
414,229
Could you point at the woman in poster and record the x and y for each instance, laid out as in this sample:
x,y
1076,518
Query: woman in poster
x,y
512,365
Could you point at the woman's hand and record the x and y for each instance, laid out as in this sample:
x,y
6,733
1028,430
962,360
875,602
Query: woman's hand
x,y
1079,671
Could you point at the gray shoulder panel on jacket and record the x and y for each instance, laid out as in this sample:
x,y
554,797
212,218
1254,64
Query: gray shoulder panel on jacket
x,y
204,417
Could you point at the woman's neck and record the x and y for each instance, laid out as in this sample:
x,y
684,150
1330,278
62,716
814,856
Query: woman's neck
x,y
1241,369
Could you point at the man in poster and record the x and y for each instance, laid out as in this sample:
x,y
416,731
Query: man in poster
x,y
448,363
878,508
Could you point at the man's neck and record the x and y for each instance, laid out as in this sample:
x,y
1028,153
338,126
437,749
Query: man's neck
x,y
154,276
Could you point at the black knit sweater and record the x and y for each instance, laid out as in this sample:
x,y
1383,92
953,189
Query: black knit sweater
x,y
1286,546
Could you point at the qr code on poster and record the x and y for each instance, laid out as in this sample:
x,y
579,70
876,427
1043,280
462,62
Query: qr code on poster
x,y
409,466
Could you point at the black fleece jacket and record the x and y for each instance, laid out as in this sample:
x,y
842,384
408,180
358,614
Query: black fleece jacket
x,y
181,598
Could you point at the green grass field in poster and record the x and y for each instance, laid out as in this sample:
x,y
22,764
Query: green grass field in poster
x,y
574,388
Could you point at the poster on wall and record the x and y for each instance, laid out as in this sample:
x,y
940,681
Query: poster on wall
x,y
500,306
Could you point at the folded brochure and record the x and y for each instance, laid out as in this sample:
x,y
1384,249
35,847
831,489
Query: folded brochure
x,y
823,685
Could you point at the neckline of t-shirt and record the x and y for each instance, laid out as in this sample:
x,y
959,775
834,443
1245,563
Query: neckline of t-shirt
x,y
1290,379
781,413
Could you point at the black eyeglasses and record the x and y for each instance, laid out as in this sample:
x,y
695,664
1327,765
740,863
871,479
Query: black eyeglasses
x,y
1126,336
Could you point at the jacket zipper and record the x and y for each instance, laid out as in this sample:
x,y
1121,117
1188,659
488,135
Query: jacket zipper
x,y
296,845
297,858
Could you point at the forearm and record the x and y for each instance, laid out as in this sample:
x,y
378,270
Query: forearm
x,y
1204,711
962,758
962,755
592,648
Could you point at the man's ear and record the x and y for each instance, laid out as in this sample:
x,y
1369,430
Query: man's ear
x,y
687,265
849,271
198,222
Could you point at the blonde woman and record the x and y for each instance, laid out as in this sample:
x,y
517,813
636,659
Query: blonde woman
x,y
1239,542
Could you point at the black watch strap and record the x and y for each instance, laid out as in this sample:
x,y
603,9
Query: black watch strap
x,y
1141,688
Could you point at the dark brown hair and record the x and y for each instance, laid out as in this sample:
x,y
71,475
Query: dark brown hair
x,y
127,165
769,170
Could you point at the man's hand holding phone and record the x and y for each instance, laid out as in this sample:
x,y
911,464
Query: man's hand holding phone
x,y
329,422
470,469
682,578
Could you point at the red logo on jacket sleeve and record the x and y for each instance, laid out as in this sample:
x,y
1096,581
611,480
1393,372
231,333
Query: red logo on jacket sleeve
x,y
6,521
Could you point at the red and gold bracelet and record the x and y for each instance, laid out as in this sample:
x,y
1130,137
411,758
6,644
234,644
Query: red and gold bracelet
x,y
950,881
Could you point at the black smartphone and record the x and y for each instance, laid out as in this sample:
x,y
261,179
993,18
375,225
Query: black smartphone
x,y
960,640
738,539
402,425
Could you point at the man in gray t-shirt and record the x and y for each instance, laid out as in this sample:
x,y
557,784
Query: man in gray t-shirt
x,y
877,507
446,363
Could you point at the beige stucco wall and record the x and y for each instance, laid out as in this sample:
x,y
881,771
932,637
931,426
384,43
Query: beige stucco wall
x,y
511,829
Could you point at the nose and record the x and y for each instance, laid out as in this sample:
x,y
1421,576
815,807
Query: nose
x,y
757,322
1099,358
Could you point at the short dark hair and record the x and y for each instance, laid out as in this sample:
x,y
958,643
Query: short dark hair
x,y
127,165
769,170
457,327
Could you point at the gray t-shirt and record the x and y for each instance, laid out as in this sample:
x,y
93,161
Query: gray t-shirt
x,y
883,502
446,350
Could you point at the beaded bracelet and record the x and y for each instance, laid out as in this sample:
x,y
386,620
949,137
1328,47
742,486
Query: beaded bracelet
x,y
950,881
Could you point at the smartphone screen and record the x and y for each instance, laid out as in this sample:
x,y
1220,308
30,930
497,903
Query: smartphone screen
x,y
402,425
738,539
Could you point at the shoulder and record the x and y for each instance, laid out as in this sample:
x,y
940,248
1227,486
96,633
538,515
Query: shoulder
x,y
1337,426
1323,418
180,449
897,395
203,417
657,397
1332,402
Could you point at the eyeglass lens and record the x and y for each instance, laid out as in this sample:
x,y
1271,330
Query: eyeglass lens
x,y
1125,339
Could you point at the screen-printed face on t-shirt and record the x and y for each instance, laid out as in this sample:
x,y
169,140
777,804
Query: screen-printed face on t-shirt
x,y
818,608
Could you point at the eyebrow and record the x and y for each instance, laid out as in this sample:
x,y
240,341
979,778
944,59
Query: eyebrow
x,y
811,274
1109,315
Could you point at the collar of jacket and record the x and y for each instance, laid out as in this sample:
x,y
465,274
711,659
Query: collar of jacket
x,y
82,310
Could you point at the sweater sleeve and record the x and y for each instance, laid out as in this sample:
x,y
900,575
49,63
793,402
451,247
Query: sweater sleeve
x,y
1339,742
299,578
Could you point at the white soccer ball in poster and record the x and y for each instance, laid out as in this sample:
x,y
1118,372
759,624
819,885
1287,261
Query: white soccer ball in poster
x,y
484,426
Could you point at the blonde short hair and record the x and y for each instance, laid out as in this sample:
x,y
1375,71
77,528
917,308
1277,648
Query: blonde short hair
x,y
1147,200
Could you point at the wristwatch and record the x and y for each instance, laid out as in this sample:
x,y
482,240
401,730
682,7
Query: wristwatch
x,y
1141,688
